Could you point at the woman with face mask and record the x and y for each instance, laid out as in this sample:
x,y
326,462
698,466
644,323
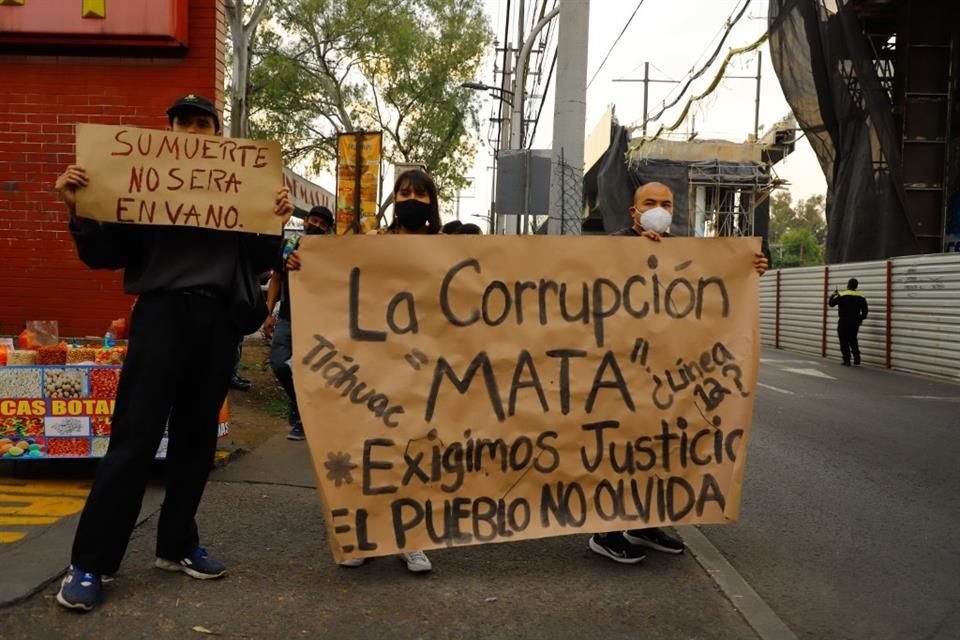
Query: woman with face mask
x,y
415,211
415,206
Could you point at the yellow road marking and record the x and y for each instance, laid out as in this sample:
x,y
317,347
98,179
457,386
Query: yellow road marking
x,y
7,537
47,487
24,505
37,503
27,520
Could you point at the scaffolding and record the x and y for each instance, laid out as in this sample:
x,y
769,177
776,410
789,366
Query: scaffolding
x,y
724,183
725,197
873,83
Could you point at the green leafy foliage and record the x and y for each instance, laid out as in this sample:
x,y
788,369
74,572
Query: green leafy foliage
x,y
797,232
329,66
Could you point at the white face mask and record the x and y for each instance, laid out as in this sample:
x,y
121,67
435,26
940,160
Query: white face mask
x,y
657,219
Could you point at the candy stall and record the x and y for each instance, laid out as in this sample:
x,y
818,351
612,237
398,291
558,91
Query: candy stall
x,y
57,394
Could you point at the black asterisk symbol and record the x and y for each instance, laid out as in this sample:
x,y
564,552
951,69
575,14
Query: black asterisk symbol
x,y
339,467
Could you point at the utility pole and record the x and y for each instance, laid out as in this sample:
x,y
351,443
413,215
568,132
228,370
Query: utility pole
x,y
756,113
570,112
756,105
646,80
503,134
517,118
519,85
496,224
646,94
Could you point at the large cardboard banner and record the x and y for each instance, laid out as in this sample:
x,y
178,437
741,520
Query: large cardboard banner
x,y
149,176
465,390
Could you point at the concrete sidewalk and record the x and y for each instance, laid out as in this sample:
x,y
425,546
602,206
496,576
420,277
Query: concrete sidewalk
x,y
261,515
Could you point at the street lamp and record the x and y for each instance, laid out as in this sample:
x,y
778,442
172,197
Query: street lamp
x,y
480,86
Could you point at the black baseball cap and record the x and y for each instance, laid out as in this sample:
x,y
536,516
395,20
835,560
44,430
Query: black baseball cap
x,y
322,212
197,103
451,227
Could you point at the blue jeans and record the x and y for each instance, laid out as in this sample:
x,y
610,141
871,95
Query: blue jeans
x,y
281,350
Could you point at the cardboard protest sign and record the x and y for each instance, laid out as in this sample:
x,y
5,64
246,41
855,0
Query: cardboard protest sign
x,y
148,176
464,390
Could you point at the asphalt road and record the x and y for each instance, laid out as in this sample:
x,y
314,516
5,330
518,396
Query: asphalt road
x,y
850,509
846,531
262,516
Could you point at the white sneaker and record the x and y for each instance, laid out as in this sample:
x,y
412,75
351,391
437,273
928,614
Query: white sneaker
x,y
417,561
355,562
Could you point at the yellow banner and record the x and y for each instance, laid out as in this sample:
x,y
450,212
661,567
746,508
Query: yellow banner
x,y
351,176
463,390
148,176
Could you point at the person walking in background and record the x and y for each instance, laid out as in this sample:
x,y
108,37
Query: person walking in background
x,y
853,311
237,381
278,330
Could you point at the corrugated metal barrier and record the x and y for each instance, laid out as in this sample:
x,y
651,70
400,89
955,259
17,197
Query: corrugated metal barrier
x,y
913,323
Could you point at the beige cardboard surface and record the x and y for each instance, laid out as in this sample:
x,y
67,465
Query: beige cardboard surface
x,y
465,390
149,176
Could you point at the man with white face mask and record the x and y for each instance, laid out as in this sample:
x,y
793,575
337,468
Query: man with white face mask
x,y
652,213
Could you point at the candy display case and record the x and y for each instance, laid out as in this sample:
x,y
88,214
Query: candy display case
x,y
64,410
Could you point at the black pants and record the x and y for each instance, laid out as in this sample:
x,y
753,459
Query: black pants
x,y
178,366
281,350
848,342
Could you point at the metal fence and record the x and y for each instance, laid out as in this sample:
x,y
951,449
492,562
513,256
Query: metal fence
x,y
570,179
914,319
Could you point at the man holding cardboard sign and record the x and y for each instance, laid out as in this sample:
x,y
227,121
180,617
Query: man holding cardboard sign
x,y
651,214
463,392
195,278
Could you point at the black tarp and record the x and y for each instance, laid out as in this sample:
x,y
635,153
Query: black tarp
x,y
825,67
616,182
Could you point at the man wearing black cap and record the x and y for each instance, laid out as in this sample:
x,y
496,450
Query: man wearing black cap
x,y
852,311
183,337
318,221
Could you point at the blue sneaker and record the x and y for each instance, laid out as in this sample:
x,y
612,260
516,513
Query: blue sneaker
x,y
196,565
80,590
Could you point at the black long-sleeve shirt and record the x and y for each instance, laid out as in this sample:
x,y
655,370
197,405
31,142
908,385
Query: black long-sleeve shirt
x,y
852,307
158,258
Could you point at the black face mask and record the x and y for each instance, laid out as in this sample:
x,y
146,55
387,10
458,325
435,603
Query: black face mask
x,y
412,215
312,230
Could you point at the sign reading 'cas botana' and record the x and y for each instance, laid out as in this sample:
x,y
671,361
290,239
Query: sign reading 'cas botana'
x,y
463,390
154,177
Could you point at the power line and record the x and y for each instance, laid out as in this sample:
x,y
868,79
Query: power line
x,y
703,69
710,89
614,45
544,99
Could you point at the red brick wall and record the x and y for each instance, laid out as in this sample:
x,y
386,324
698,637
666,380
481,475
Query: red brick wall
x,y
42,97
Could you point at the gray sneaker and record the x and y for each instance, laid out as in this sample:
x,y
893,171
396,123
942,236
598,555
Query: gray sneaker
x,y
416,561
296,433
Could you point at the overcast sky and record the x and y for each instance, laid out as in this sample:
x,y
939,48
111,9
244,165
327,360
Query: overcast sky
x,y
674,36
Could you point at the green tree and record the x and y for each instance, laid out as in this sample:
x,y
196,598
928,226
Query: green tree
x,y
781,215
797,234
799,248
810,216
331,66
243,20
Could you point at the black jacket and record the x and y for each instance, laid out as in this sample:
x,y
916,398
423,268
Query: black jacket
x,y
159,258
852,307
